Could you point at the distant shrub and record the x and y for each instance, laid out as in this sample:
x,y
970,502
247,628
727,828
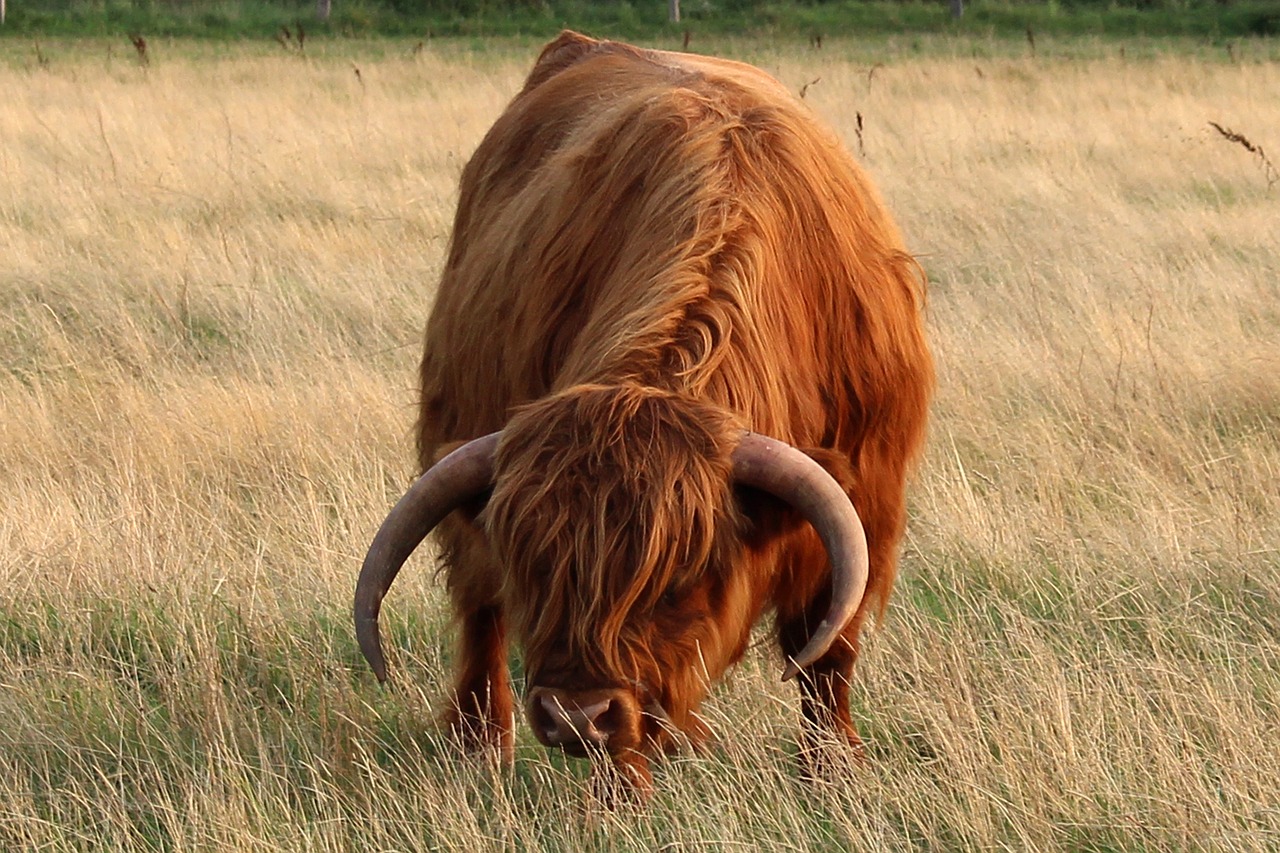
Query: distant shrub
x,y
262,18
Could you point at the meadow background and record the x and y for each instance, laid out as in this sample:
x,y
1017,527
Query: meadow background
x,y
261,19
214,270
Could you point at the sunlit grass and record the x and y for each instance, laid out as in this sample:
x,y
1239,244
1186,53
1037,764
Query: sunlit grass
x,y
213,277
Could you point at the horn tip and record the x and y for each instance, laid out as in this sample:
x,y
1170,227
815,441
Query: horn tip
x,y
791,671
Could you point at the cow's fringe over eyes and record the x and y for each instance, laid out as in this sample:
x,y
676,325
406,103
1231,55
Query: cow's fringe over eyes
x,y
606,496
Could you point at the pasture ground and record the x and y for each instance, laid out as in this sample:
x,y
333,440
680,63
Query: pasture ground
x,y
213,275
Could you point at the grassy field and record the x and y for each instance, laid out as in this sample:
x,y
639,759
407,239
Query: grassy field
x,y
213,275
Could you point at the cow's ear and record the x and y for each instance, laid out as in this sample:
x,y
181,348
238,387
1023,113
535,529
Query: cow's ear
x,y
471,508
768,517
445,449
837,464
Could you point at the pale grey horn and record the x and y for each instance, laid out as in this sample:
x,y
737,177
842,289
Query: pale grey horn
x,y
786,473
464,474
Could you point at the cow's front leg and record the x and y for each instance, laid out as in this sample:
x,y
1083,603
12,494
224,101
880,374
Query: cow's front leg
x,y
824,691
482,712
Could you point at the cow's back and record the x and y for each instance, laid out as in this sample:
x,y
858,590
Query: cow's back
x,y
639,216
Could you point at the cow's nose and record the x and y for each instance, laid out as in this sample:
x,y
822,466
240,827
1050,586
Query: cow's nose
x,y
561,718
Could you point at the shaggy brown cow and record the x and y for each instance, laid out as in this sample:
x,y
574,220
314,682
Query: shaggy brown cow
x,y
658,260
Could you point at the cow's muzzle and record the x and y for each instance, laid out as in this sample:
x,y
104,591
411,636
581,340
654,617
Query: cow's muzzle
x,y
580,722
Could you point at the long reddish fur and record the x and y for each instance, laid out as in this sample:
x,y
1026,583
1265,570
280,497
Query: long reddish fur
x,y
653,252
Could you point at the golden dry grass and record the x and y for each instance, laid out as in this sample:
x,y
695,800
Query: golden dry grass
x,y
213,275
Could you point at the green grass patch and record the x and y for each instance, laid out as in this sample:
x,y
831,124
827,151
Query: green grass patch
x,y
233,19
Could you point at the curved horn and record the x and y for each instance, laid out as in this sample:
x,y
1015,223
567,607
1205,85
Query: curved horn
x,y
783,471
463,474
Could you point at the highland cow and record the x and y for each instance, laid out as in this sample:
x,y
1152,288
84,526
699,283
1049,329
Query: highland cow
x,y
674,380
